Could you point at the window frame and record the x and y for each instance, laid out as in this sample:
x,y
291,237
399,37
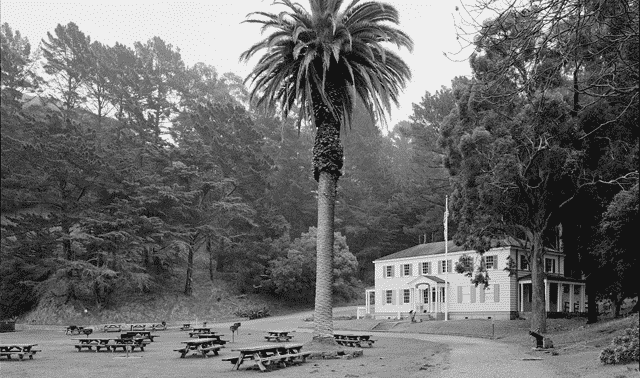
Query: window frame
x,y
406,296
553,265
388,271
424,271
494,262
406,270
388,297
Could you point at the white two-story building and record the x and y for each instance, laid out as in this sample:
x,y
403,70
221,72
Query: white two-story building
x,y
415,279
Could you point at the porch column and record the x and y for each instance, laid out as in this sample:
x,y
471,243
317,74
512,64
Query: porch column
x,y
582,297
571,297
521,301
559,304
546,296
367,293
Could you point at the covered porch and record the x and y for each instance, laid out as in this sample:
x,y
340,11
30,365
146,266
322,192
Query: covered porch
x,y
562,294
428,296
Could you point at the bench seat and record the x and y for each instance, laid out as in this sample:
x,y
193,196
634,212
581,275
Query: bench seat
x,y
202,351
278,338
233,360
21,354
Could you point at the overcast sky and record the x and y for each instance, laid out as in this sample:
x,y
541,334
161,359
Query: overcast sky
x,y
211,32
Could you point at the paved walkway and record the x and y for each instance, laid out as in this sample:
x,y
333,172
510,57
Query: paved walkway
x,y
469,357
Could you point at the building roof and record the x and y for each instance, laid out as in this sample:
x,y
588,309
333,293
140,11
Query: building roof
x,y
437,248
426,277
552,277
423,250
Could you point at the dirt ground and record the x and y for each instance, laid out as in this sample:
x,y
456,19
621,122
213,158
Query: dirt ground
x,y
402,350
388,358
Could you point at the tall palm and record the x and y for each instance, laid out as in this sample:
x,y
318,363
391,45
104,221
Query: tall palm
x,y
322,61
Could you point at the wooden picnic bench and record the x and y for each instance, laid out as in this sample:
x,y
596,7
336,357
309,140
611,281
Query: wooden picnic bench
x,y
185,327
73,330
139,334
112,328
159,326
109,344
354,339
21,350
138,327
278,336
198,330
215,336
200,347
269,355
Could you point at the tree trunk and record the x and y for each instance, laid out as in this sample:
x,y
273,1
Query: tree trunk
x,y
220,259
210,253
188,288
538,310
592,311
617,300
323,314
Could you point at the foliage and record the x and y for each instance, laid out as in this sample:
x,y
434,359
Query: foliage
x,y
623,349
293,276
533,126
253,313
617,251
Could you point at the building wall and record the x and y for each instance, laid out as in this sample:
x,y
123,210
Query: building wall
x,y
465,299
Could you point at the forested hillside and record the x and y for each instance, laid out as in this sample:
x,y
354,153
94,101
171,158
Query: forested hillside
x,y
124,170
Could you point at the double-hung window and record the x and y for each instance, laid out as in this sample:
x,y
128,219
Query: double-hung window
x,y
388,271
406,270
426,268
524,264
406,296
550,265
491,262
388,297
445,266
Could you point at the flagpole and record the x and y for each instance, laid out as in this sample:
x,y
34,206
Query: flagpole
x,y
446,262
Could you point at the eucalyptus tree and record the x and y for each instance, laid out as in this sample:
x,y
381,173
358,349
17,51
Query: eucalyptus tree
x,y
548,116
320,61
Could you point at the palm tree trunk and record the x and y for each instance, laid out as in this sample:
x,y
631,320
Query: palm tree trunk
x,y
323,314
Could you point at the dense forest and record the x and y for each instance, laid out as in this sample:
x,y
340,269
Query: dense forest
x,y
121,164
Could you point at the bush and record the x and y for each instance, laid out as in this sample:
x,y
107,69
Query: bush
x,y
253,313
623,349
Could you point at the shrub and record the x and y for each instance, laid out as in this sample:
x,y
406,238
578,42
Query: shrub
x,y
253,313
623,349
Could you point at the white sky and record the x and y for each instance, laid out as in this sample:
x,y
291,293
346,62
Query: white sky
x,y
212,32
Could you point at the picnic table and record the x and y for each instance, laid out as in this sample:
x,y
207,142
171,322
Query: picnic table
x,y
185,327
138,327
159,327
269,355
199,330
109,343
21,350
215,336
278,335
199,346
354,339
140,334
112,328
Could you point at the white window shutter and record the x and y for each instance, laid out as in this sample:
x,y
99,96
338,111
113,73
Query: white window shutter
x,y
459,294
472,293
496,292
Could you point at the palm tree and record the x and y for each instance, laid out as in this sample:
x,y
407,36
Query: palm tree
x,y
322,62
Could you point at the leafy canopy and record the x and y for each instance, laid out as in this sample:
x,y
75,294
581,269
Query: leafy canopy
x,y
308,53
